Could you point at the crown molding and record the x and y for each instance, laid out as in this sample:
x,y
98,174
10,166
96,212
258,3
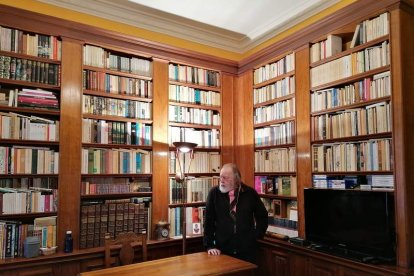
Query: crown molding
x,y
176,26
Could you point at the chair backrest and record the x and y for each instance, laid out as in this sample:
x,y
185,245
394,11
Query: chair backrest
x,y
127,242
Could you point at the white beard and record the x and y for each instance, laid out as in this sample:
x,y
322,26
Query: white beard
x,y
225,189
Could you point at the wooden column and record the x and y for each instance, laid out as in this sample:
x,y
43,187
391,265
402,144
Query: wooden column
x,y
303,139
243,127
160,143
402,58
70,141
227,125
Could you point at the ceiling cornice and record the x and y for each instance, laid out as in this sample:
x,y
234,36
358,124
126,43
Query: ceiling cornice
x,y
161,22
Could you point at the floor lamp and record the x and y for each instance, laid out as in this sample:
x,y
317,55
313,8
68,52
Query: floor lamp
x,y
182,177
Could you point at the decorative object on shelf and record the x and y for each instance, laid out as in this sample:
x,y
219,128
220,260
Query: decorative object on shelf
x,y
181,177
162,230
31,247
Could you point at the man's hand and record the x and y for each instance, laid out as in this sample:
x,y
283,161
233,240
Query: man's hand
x,y
214,251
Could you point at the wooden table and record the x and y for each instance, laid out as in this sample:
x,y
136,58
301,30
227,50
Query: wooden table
x,y
191,264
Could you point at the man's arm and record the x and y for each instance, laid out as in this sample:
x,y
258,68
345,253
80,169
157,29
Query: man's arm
x,y
260,215
210,222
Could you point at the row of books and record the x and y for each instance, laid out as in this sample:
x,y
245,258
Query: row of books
x,y
127,133
371,29
372,119
16,41
115,161
349,65
181,114
337,181
368,89
272,70
112,217
276,111
200,76
32,200
13,234
27,97
28,160
17,126
371,155
326,48
275,90
283,222
29,70
32,182
206,138
99,57
275,160
111,185
115,107
276,185
202,162
195,218
278,134
185,94
104,82
195,190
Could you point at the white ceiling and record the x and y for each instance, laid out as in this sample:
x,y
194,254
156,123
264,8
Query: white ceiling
x,y
234,25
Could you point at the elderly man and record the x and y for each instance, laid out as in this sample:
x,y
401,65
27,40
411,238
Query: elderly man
x,y
235,217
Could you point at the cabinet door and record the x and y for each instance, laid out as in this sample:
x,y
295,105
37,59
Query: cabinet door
x,y
322,268
354,272
280,263
38,271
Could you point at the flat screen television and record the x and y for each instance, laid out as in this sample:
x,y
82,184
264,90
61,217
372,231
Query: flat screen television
x,y
351,221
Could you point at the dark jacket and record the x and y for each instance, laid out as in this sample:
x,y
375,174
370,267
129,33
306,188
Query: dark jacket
x,y
219,226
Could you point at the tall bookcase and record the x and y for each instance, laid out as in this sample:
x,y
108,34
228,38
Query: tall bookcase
x,y
30,66
275,142
116,144
194,116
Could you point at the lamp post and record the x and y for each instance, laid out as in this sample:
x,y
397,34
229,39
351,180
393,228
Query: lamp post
x,y
182,177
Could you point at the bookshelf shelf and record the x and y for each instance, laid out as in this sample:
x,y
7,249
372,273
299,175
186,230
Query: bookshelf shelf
x,y
23,56
115,118
193,125
290,145
354,138
352,50
27,110
199,174
350,106
275,79
27,175
201,106
120,195
115,96
187,204
29,142
275,100
27,215
129,175
353,173
274,122
115,72
201,149
275,173
30,84
353,78
274,196
196,86
116,146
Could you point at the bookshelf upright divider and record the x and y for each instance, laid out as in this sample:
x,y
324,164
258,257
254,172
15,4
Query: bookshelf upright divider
x,y
274,126
116,145
194,116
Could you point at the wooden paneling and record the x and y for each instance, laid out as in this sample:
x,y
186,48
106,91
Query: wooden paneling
x,y
160,144
303,148
70,142
227,124
402,57
243,127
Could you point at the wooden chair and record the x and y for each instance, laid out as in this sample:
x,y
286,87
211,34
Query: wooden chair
x,y
128,243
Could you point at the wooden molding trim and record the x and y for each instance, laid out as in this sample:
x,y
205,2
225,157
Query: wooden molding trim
x,y
60,27
354,12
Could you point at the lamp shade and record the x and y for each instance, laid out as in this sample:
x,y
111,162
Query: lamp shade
x,y
184,146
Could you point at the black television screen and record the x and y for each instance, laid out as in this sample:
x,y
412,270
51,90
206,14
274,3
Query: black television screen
x,y
356,220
